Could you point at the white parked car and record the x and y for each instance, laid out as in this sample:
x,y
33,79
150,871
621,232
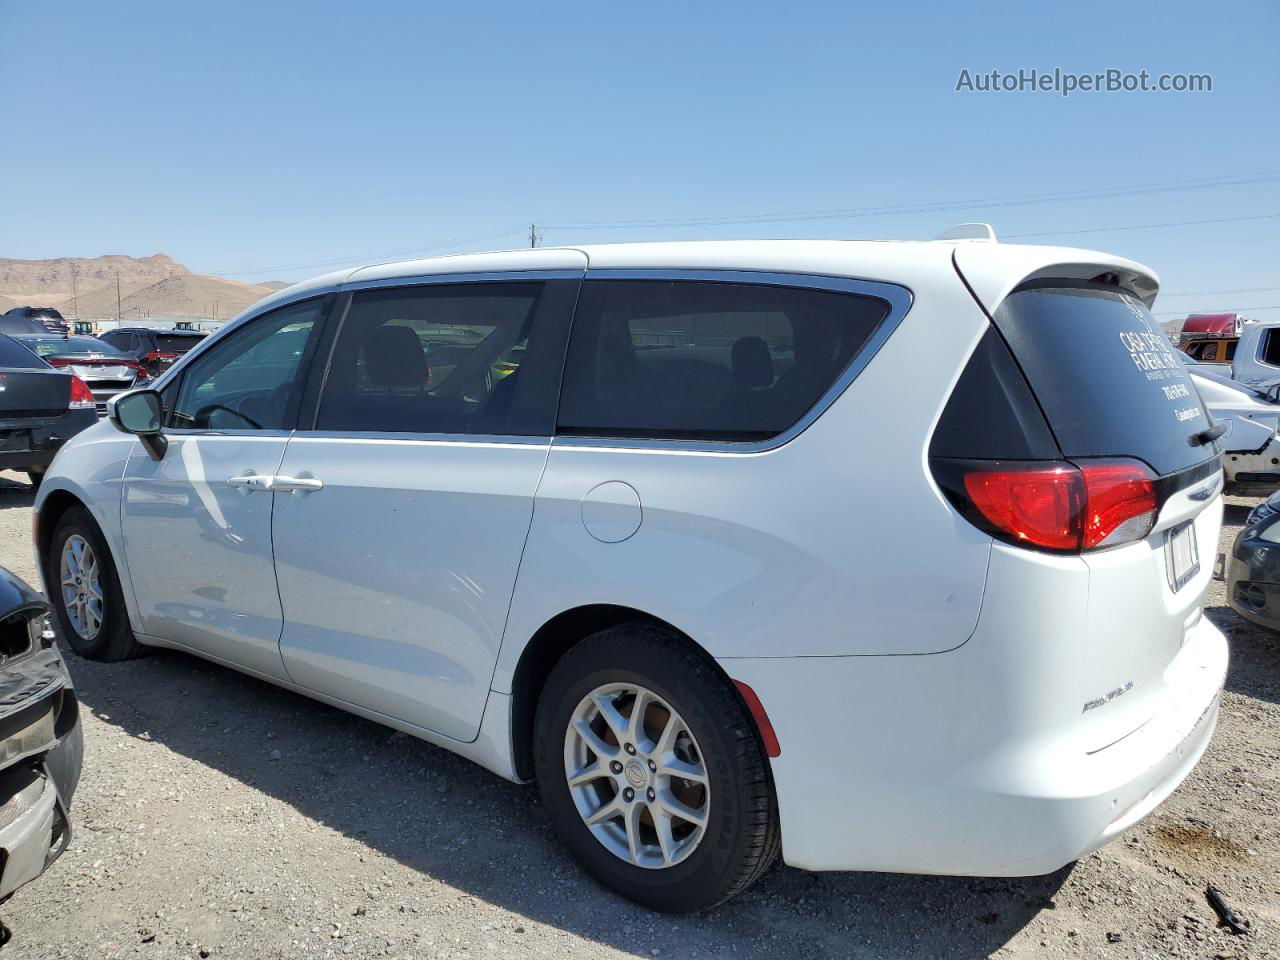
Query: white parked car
x,y
1251,438
835,549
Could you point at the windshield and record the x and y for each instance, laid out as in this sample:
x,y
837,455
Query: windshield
x,y
62,346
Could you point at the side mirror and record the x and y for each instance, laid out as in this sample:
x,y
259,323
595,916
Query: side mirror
x,y
142,414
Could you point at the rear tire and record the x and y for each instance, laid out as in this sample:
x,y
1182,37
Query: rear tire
x,y
95,631
731,835
36,476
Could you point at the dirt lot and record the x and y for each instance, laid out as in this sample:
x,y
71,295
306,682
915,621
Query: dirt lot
x,y
219,816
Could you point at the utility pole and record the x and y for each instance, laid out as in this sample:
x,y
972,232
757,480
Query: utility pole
x,y
119,314
533,235
75,301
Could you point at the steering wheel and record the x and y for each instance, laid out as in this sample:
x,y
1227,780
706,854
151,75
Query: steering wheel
x,y
202,416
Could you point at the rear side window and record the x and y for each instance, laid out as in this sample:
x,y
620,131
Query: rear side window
x,y
1108,379
706,360
17,357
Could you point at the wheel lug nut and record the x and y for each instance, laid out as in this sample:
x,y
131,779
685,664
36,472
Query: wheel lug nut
x,y
652,765
630,748
628,794
615,766
651,793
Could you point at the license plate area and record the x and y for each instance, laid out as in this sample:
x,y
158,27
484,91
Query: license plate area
x,y
14,440
1182,555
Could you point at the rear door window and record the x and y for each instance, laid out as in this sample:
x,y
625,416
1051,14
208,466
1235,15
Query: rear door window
x,y
1108,379
706,360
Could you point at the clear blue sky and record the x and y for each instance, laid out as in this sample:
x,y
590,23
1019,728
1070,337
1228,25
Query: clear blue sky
x,y
278,140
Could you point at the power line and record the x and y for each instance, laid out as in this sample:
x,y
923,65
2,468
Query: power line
x,y
1165,313
1142,226
1197,183
1218,293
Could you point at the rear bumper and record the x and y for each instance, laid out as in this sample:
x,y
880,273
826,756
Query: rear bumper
x,y
901,764
37,446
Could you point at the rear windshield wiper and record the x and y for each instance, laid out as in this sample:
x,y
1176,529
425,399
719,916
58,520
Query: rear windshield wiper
x,y
1207,436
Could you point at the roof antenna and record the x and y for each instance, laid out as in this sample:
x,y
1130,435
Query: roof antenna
x,y
969,231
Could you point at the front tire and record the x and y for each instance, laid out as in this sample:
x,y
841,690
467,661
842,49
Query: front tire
x,y
652,772
85,591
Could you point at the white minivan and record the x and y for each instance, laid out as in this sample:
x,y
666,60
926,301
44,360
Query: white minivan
x,y
881,556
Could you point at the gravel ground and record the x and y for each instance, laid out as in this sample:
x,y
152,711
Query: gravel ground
x,y
222,817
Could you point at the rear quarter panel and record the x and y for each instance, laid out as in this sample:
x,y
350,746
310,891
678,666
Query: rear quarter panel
x,y
835,543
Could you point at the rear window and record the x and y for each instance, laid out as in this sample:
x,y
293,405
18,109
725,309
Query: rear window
x,y
176,342
53,346
1109,381
688,359
15,356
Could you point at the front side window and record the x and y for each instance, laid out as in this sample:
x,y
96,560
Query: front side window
x,y
441,358
704,360
250,381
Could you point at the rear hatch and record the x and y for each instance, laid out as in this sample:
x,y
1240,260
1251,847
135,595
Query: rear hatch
x,y
1103,450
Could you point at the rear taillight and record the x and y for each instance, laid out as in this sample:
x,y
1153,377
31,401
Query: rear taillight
x,y
1055,505
57,361
81,395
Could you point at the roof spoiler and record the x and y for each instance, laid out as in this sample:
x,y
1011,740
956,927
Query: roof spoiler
x,y
969,231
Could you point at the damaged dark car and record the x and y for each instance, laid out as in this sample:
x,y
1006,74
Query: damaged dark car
x,y
41,744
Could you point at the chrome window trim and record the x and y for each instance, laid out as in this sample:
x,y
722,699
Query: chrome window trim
x,y
897,296
388,436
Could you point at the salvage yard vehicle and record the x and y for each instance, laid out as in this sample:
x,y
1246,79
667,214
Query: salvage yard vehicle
x,y
48,319
105,369
155,349
41,744
40,409
674,555
1253,566
1251,439
1211,337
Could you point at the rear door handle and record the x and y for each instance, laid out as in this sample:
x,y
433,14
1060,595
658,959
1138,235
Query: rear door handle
x,y
296,484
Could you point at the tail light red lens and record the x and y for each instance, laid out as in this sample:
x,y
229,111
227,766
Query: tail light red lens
x,y
81,395
1041,505
1065,507
57,361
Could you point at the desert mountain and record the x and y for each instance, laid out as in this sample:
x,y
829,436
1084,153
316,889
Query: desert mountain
x,y
49,282
155,286
187,295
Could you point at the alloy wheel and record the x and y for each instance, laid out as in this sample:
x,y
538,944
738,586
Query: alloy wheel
x,y
637,776
81,586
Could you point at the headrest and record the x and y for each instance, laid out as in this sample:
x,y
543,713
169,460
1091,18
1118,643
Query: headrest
x,y
393,357
752,363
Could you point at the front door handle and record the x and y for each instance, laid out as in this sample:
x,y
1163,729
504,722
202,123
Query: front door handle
x,y
296,484
250,482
